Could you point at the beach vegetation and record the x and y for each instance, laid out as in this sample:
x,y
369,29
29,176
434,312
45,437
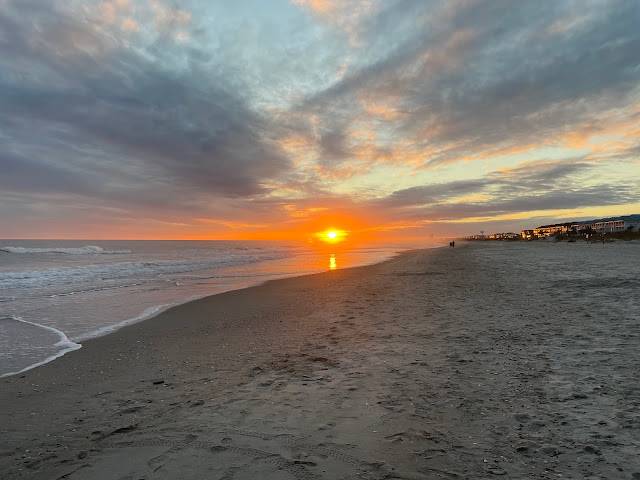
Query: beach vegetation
x,y
625,235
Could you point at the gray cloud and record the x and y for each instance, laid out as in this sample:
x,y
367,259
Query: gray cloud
x,y
545,186
431,194
189,127
597,195
471,77
146,123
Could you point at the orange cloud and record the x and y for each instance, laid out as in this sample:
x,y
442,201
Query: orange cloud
x,y
129,25
344,15
323,8
381,110
612,131
107,12
298,148
305,212
169,18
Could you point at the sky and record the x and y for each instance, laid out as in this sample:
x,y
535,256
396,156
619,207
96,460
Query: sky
x,y
256,119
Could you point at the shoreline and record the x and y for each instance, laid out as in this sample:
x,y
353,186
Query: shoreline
x,y
64,340
417,367
147,314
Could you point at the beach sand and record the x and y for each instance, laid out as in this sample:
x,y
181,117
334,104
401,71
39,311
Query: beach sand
x,y
476,362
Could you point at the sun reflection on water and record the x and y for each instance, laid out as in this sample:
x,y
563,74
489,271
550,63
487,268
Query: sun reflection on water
x,y
332,262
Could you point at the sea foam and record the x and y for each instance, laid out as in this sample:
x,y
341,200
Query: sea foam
x,y
100,273
88,250
64,344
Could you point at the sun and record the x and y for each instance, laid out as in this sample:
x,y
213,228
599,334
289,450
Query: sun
x,y
332,236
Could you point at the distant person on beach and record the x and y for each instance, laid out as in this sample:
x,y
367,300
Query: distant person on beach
x,y
452,244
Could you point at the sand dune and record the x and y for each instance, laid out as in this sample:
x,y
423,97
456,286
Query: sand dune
x,y
477,362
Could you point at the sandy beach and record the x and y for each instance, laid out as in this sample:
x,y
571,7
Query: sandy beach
x,y
474,362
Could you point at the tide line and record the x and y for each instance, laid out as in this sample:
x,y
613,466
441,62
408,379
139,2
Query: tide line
x,y
64,342
146,314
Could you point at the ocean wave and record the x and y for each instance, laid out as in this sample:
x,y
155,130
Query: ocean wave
x,y
88,250
64,344
137,272
95,289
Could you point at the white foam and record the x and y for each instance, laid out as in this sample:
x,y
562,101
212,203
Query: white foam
x,y
88,250
64,343
122,270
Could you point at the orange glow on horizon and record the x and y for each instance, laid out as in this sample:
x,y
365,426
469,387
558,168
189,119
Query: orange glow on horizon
x,y
332,236
327,232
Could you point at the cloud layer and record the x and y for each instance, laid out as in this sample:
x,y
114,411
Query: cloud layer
x,y
239,117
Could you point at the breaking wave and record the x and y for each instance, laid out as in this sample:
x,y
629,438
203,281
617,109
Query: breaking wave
x,y
64,344
88,250
138,271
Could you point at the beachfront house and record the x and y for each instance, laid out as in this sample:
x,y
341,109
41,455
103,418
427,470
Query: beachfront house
x,y
556,229
604,225
560,228
543,231
632,225
611,225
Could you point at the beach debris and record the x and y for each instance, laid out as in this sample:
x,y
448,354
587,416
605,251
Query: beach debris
x,y
127,429
497,471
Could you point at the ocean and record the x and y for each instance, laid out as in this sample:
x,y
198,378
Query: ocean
x,y
54,294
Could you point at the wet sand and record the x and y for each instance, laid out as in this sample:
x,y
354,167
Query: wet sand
x,y
520,361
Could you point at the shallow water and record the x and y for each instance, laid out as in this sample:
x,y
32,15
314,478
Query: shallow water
x,y
55,294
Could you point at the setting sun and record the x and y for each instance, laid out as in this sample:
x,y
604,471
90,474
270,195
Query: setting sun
x,y
332,236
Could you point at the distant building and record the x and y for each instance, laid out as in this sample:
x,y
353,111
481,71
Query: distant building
x,y
503,235
632,225
608,226
543,231
556,229
603,225
560,228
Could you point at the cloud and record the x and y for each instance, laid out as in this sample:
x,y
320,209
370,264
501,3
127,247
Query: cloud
x,y
201,111
487,80
432,194
533,186
189,128
346,16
